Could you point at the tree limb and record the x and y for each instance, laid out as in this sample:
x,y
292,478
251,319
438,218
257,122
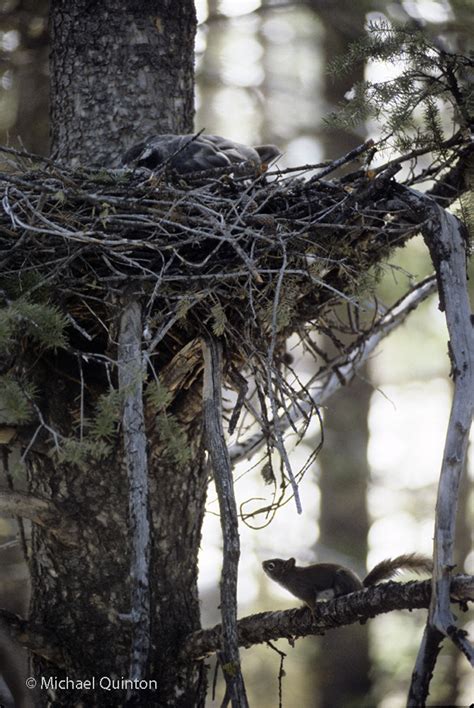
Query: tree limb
x,y
130,374
423,672
455,182
446,240
348,609
219,455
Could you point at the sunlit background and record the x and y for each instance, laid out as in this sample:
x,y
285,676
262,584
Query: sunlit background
x,y
262,76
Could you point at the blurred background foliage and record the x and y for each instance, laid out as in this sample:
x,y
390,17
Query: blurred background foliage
x,y
262,76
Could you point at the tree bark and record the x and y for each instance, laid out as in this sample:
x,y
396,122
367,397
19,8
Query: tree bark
x,y
222,472
115,66
120,71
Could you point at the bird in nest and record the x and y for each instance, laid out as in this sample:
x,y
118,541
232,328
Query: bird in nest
x,y
192,153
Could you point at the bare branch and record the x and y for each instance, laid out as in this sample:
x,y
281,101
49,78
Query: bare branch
x,y
348,609
446,240
425,663
27,506
218,453
130,370
450,186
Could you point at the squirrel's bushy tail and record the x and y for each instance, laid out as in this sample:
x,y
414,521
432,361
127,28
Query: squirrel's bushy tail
x,y
392,566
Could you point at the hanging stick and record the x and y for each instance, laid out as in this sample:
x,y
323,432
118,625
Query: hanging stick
x,y
220,461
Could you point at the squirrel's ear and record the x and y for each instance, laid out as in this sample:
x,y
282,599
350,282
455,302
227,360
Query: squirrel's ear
x,y
290,563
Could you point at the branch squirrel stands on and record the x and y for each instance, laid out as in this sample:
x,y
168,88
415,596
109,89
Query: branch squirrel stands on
x,y
328,580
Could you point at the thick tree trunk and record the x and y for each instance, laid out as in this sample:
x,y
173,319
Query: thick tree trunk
x,y
120,71
81,586
28,64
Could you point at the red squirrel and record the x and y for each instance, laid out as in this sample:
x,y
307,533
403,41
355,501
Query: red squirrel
x,y
314,582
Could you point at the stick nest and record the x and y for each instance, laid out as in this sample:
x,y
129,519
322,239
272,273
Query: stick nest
x,y
251,259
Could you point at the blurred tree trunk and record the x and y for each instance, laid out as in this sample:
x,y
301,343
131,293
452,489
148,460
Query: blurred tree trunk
x,y
118,73
343,658
28,65
207,71
343,24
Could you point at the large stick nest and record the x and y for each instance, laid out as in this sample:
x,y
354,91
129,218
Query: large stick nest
x,y
251,259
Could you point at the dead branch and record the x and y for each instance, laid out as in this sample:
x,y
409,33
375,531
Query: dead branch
x,y
446,240
428,652
130,372
455,182
338,373
219,456
345,610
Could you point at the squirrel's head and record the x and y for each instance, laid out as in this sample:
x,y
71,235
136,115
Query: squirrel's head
x,y
277,568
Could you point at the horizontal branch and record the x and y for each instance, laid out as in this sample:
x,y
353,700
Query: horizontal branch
x,y
27,506
349,609
41,512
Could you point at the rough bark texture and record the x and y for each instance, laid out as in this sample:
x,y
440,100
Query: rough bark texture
x,y
446,239
178,495
81,593
347,609
77,592
121,71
